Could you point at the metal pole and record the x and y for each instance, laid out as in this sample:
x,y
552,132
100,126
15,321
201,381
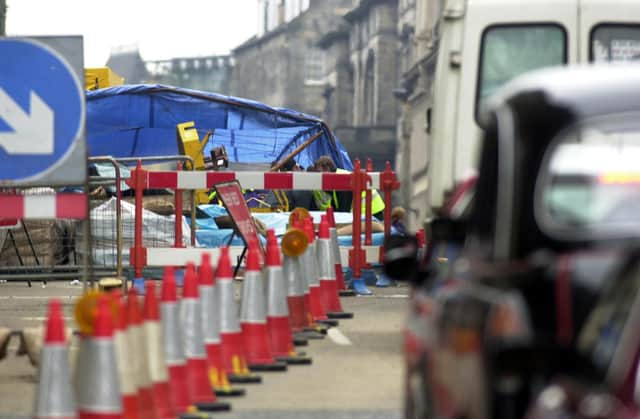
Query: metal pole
x,y
368,210
178,218
3,17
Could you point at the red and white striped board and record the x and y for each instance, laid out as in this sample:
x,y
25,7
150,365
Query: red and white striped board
x,y
255,180
44,207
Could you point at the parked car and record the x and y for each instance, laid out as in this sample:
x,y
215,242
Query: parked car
x,y
543,297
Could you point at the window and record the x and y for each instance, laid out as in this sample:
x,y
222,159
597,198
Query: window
x,y
508,51
588,185
615,43
314,65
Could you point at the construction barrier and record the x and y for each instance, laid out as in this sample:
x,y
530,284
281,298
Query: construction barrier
x,y
357,182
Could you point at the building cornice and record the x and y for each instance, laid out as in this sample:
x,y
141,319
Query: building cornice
x,y
363,8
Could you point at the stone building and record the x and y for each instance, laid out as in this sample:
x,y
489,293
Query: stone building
x,y
208,73
282,65
360,77
417,33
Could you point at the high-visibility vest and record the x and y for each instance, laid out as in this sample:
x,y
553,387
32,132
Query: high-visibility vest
x,y
324,199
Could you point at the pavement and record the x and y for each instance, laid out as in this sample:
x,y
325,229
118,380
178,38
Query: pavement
x,y
357,370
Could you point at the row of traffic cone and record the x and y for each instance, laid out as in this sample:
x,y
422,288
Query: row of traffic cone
x,y
174,357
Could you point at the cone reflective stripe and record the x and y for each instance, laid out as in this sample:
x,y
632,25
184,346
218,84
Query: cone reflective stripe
x,y
98,387
54,398
137,345
200,393
232,343
172,343
253,315
126,371
335,246
278,326
209,303
298,311
310,272
157,365
326,273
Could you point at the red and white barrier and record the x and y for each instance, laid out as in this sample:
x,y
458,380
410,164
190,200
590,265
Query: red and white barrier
x,y
357,182
41,207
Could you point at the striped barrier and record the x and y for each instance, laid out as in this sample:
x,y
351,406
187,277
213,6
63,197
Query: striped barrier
x,y
44,207
357,257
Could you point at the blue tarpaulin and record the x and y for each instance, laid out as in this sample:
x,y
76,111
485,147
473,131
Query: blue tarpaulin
x,y
140,121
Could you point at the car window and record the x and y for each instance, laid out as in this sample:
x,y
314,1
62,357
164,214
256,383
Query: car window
x,y
615,43
509,51
589,184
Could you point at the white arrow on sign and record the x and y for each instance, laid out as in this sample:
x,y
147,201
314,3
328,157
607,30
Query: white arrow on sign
x,y
33,133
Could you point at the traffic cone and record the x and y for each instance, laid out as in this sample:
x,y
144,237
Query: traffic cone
x,y
157,365
209,302
326,265
342,286
232,345
294,242
97,384
126,368
253,316
172,343
278,327
54,398
312,330
310,272
138,348
200,393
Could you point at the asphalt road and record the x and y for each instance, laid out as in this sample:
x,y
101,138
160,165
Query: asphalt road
x,y
356,373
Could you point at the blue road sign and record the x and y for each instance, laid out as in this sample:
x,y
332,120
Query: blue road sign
x,y
42,110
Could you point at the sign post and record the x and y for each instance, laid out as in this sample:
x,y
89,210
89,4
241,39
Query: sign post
x,y
42,128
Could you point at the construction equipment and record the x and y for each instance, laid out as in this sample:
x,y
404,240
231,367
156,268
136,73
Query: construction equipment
x,y
101,77
189,145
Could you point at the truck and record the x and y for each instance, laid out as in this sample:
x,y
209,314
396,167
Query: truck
x,y
478,46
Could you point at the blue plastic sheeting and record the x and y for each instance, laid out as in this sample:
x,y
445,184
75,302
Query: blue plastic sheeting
x,y
220,238
140,120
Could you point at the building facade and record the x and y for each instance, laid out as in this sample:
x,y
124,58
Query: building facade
x,y
282,65
360,76
208,73
417,33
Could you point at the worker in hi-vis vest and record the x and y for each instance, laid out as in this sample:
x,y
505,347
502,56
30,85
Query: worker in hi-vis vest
x,y
342,200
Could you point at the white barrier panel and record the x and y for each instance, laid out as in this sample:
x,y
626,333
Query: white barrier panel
x,y
169,256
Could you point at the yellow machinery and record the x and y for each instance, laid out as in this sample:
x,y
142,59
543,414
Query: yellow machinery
x,y
101,77
189,145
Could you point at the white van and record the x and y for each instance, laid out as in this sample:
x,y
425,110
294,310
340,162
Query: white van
x,y
485,43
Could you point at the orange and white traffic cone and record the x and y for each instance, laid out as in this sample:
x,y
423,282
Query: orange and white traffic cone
x,y
155,352
138,348
97,383
310,271
126,369
335,246
209,302
234,356
172,343
326,273
253,316
294,271
55,398
278,326
201,394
